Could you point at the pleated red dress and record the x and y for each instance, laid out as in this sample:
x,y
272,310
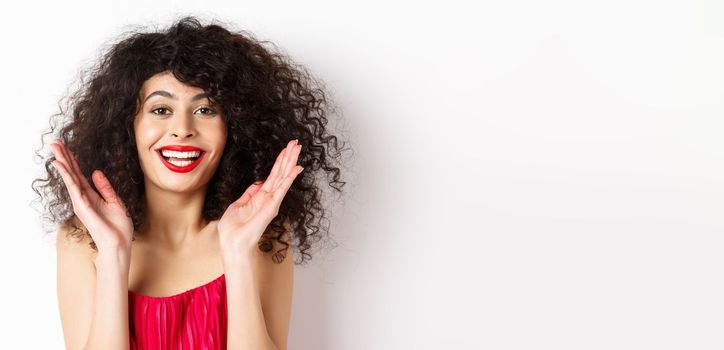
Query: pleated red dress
x,y
194,319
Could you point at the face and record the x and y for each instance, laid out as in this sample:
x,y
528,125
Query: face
x,y
180,136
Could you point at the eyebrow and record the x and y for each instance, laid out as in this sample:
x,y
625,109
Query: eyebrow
x,y
170,95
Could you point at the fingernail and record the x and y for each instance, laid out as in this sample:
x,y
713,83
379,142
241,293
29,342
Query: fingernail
x,y
296,141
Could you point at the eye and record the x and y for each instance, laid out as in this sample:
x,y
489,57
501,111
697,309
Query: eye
x,y
209,111
155,109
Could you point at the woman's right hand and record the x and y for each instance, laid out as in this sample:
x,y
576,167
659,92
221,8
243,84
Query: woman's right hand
x,y
106,217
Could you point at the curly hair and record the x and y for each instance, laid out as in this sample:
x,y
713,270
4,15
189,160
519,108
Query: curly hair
x,y
265,100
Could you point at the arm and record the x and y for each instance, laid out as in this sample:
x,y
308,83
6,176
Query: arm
x,y
109,329
259,299
88,324
93,298
259,292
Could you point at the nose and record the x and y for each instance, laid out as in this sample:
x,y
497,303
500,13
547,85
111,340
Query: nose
x,y
183,127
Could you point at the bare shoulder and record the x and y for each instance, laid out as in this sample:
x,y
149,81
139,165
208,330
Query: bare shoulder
x,y
279,252
75,282
276,280
73,247
275,268
71,235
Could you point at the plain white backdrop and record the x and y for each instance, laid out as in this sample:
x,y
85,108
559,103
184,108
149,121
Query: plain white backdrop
x,y
528,175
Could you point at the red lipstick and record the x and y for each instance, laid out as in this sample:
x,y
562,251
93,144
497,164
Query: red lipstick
x,y
180,148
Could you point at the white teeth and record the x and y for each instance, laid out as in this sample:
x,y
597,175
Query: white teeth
x,y
175,154
181,163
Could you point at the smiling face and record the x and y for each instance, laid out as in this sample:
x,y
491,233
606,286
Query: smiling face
x,y
180,136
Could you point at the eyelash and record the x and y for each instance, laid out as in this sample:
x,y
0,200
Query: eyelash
x,y
157,108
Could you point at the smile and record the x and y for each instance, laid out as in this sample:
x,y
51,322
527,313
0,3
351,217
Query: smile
x,y
180,159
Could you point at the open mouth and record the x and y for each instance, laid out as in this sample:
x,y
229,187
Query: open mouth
x,y
180,161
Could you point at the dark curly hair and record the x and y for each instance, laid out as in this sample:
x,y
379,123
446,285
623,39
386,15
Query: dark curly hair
x,y
265,100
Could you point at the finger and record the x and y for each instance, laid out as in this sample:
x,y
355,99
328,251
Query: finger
x,y
284,186
293,159
72,166
79,174
60,155
285,164
250,191
288,161
274,174
72,187
105,188
281,190
269,182
280,172
74,171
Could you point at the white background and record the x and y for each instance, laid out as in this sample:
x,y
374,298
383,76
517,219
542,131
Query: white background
x,y
529,175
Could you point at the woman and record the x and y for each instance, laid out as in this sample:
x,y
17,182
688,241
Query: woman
x,y
177,184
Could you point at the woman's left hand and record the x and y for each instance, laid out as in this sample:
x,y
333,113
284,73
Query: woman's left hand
x,y
244,221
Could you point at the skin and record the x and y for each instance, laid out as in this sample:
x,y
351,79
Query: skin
x,y
176,249
182,245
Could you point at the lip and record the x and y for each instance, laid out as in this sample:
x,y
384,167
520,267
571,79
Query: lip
x,y
180,148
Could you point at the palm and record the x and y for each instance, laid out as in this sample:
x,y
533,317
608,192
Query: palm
x,y
240,217
244,221
105,215
110,216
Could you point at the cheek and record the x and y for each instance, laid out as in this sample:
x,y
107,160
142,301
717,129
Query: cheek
x,y
218,134
147,134
222,139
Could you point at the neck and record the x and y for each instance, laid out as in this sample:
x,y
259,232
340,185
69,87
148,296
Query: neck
x,y
173,220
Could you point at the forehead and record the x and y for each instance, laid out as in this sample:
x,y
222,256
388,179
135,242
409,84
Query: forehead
x,y
167,82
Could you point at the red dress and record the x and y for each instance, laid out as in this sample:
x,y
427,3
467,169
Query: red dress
x,y
194,319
